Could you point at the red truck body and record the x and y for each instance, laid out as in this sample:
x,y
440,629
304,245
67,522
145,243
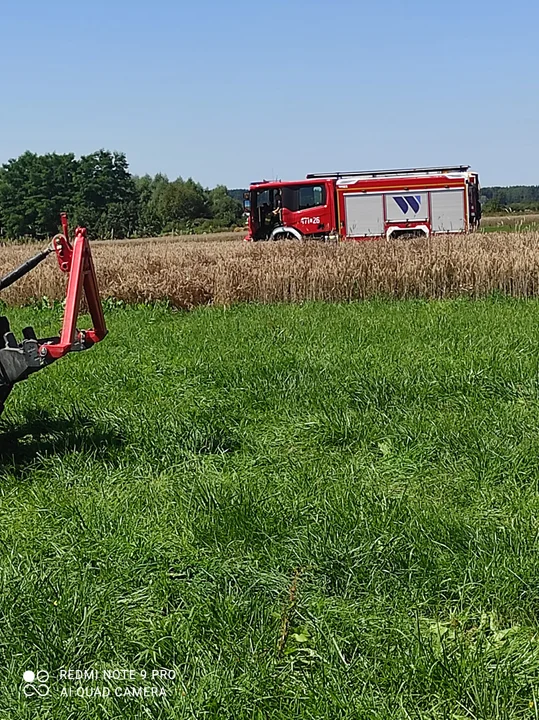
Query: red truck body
x,y
361,205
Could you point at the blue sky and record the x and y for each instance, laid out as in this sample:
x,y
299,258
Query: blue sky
x,y
230,92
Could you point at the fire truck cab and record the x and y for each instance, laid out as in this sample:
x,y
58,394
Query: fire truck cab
x,y
361,205
294,210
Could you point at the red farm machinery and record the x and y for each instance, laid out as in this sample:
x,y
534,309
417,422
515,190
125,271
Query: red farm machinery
x,y
366,204
19,360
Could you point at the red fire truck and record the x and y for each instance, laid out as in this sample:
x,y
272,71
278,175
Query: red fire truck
x,y
360,205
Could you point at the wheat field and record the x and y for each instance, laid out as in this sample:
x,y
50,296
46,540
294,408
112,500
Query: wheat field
x,y
190,271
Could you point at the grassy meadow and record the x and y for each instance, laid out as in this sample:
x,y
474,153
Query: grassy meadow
x,y
314,511
510,222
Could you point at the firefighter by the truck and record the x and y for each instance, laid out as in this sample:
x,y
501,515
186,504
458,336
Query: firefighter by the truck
x,y
277,204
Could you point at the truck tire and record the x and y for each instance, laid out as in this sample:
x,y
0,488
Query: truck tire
x,y
286,233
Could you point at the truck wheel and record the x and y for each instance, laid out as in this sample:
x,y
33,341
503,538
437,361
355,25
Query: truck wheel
x,y
408,235
286,236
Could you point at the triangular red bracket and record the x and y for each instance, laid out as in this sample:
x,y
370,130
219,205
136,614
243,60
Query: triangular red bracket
x,y
76,260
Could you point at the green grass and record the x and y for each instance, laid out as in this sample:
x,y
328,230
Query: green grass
x,y
511,222
487,227
319,511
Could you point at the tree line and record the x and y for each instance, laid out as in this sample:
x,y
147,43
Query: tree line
x,y
100,193
516,198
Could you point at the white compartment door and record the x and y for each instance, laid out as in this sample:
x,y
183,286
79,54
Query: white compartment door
x,y
364,215
403,207
448,211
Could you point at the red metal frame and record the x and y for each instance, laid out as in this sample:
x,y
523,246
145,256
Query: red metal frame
x,y
76,260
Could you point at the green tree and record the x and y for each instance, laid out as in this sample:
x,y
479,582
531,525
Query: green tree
x,y
224,209
181,201
105,197
148,191
34,190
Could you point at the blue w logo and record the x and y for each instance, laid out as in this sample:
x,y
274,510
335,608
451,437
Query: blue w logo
x,y
410,202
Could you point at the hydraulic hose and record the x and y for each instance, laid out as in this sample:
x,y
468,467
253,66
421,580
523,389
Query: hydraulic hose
x,y
25,268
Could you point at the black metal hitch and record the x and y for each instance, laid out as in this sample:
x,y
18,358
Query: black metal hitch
x,y
18,360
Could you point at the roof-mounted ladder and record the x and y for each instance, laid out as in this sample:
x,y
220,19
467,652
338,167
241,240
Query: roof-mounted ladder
x,y
442,170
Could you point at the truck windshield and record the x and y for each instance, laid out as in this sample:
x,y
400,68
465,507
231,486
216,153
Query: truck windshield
x,y
294,197
262,198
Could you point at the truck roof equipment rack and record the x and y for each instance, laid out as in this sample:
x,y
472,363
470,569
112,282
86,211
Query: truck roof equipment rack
x,y
442,170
